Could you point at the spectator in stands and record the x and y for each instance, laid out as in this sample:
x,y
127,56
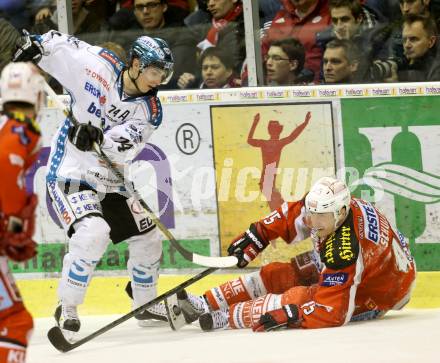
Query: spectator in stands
x,y
84,21
300,19
419,34
116,49
145,15
393,30
387,9
8,38
267,11
17,12
340,62
284,62
420,7
216,71
225,30
353,21
176,11
349,20
149,18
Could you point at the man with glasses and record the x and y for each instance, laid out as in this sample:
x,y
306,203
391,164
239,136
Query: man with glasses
x,y
149,17
300,19
284,62
150,14
116,109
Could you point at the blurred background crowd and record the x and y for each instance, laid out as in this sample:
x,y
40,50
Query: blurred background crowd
x,y
303,42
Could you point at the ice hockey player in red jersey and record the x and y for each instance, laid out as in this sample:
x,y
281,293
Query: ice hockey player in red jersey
x,y
21,94
359,269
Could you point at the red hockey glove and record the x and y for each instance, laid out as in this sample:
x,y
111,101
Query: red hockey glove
x,y
287,316
16,239
247,246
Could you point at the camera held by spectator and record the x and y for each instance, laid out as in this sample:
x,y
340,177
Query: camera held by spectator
x,y
383,71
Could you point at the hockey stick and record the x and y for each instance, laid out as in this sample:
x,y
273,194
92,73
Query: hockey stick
x,y
58,340
208,261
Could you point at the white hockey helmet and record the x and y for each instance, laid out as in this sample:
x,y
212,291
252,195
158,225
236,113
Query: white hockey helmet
x,y
21,82
328,195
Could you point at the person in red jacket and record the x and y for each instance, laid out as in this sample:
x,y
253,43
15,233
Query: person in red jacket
x,y
359,269
22,93
300,19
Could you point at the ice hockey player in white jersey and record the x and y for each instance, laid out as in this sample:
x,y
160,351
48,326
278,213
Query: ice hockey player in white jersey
x,y
117,107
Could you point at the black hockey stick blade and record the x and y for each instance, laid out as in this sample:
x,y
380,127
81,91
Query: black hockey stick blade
x,y
58,340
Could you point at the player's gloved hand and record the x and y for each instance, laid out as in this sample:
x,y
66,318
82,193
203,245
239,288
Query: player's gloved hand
x,y
286,317
83,136
28,49
16,237
247,246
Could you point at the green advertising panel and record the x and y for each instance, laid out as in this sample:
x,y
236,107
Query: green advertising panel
x,y
392,155
50,257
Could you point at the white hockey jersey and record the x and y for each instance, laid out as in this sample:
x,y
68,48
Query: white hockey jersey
x,y
93,78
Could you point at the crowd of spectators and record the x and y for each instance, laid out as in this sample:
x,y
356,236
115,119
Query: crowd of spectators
x,y
302,41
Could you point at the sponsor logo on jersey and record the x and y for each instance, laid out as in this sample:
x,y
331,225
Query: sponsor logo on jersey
x,y
345,250
341,248
112,59
371,227
59,203
94,110
91,73
404,243
336,279
94,91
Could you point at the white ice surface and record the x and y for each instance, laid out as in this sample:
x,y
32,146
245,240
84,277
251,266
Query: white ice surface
x,y
408,336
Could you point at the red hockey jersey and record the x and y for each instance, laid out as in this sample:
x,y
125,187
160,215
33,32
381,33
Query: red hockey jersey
x,y
368,268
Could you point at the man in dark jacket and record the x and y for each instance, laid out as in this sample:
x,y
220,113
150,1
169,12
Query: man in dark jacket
x,y
419,35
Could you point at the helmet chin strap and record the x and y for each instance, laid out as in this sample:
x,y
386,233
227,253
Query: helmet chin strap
x,y
134,80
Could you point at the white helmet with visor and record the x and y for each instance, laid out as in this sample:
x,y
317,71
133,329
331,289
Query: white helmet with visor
x,y
328,195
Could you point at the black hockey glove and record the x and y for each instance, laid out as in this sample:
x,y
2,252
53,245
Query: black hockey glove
x,y
84,135
287,316
28,49
247,246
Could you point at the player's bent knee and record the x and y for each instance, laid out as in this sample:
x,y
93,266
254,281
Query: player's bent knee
x,y
278,277
91,238
146,247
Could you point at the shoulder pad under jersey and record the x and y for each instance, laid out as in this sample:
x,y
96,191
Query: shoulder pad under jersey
x,y
341,249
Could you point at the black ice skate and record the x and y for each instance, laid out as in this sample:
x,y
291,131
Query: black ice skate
x,y
192,306
214,320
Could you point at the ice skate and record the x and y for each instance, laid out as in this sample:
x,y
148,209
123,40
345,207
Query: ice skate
x,y
153,316
66,317
192,306
214,320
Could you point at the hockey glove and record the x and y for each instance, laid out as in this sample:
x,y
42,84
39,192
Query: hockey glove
x,y
247,246
16,239
83,136
286,317
28,49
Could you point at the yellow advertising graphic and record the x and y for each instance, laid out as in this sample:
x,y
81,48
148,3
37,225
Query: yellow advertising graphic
x,y
266,155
